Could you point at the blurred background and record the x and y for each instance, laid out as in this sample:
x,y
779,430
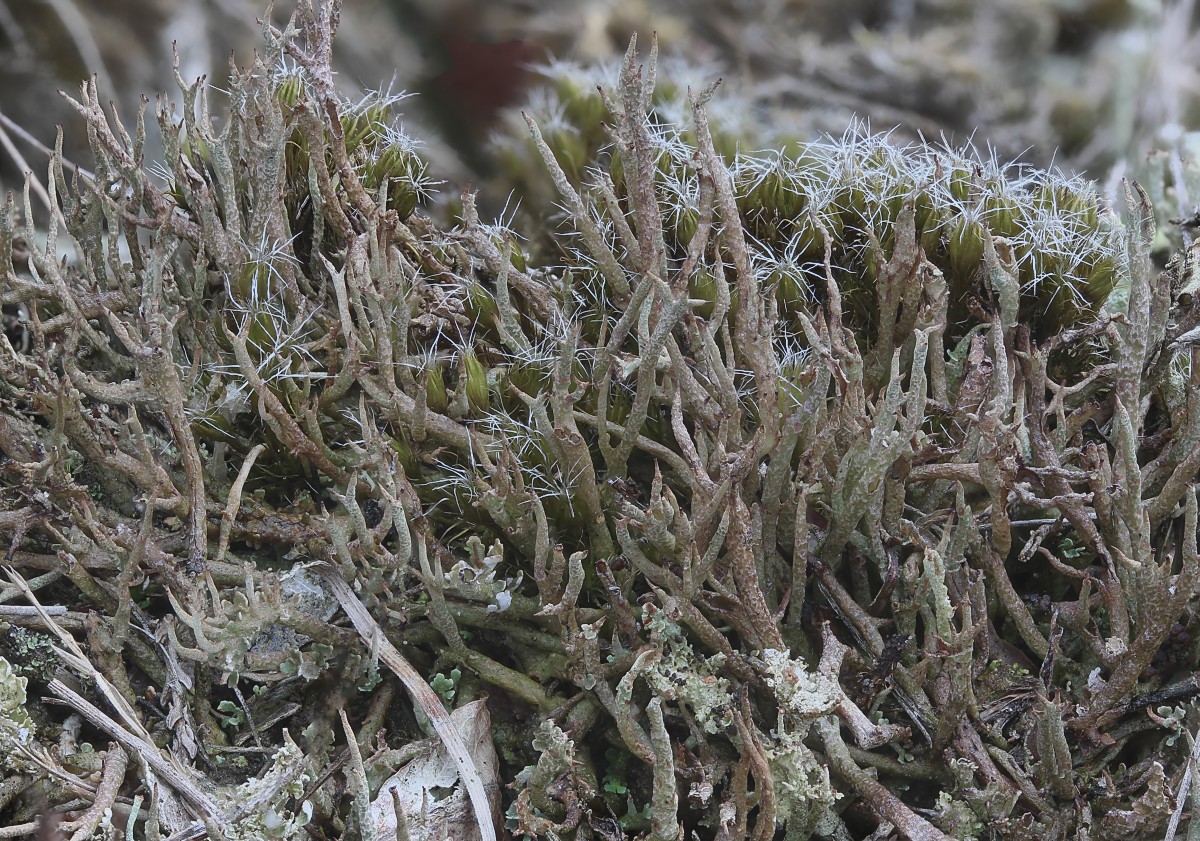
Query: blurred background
x,y
1094,86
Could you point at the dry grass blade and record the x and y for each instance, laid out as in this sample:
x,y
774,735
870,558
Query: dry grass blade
x,y
139,747
422,695
73,655
129,732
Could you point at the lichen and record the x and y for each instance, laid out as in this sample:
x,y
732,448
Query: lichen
x,y
805,789
719,399
17,730
806,693
267,804
31,652
680,674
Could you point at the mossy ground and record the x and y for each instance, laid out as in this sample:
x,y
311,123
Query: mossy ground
x,y
838,490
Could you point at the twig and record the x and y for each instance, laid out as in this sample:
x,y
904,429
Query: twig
x,y
885,805
9,610
74,656
115,763
148,751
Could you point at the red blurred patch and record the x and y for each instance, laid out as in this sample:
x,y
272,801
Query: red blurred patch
x,y
484,78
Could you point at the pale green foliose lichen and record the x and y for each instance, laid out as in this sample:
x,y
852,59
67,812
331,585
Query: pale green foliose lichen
x,y
556,756
32,652
474,577
536,783
16,727
265,800
956,814
802,783
807,693
680,674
